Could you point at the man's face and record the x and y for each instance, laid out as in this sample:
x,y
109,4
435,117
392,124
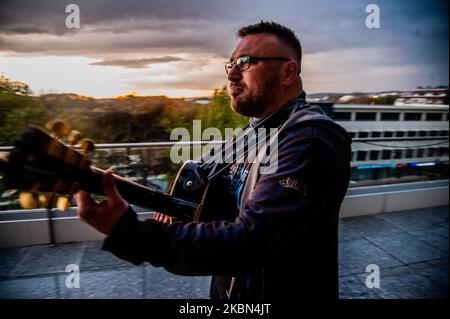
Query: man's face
x,y
254,91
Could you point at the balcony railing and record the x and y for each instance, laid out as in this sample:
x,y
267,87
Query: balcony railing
x,y
152,145
143,163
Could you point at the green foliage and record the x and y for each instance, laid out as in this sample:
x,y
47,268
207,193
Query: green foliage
x,y
385,100
16,112
119,120
219,114
371,100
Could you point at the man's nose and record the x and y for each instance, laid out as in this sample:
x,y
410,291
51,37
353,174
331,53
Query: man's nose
x,y
234,74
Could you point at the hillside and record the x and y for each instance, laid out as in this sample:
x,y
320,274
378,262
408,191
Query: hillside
x,y
123,119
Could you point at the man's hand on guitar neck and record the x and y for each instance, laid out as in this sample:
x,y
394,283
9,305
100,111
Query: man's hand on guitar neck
x,y
102,216
162,218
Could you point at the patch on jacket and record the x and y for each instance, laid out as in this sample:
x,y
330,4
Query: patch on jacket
x,y
295,184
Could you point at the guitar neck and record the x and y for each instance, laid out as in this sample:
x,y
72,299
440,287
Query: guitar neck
x,y
39,162
142,196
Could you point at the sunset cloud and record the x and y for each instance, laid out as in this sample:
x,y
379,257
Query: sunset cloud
x,y
138,63
182,44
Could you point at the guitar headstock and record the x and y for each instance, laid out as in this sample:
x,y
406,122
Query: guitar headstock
x,y
46,166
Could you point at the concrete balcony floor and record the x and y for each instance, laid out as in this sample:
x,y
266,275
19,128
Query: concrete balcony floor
x,y
410,248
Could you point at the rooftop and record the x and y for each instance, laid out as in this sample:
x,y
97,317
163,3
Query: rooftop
x,y
409,247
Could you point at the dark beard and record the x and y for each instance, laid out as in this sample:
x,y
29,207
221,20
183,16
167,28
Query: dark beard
x,y
255,105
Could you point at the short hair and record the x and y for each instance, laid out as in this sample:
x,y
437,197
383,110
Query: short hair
x,y
286,35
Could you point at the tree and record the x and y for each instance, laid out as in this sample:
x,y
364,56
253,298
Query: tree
x,y
16,112
219,114
16,87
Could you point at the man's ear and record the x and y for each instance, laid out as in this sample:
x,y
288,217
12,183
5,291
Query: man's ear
x,y
290,73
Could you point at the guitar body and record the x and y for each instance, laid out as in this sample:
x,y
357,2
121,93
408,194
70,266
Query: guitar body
x,y
214,201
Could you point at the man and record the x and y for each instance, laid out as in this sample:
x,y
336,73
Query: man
x,y
283,244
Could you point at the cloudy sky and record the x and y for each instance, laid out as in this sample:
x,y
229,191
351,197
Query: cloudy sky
x,y
178,47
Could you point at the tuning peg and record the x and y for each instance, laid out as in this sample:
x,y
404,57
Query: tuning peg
x,y
58,128
74,137
27,200
87,145
63,203
43,200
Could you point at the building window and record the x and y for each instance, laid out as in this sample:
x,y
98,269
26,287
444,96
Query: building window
x,y
388,134
389,116
398,154
376,134
365,116
420,152
400,134
433,133
413,116
433,117
342,116
443,151
423,133
386,154
443,133
363,134
361,156
409,153
411,133
432,152
352,134
374,155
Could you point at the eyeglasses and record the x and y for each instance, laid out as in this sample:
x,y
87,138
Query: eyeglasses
x,y
243,62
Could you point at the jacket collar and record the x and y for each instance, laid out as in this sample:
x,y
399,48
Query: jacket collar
x,y
295,103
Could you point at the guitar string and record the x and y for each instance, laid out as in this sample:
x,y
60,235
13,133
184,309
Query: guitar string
x,y
247,150
231,144
209,177
228,164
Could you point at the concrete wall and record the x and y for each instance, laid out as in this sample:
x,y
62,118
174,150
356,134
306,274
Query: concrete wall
x,y
23,228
